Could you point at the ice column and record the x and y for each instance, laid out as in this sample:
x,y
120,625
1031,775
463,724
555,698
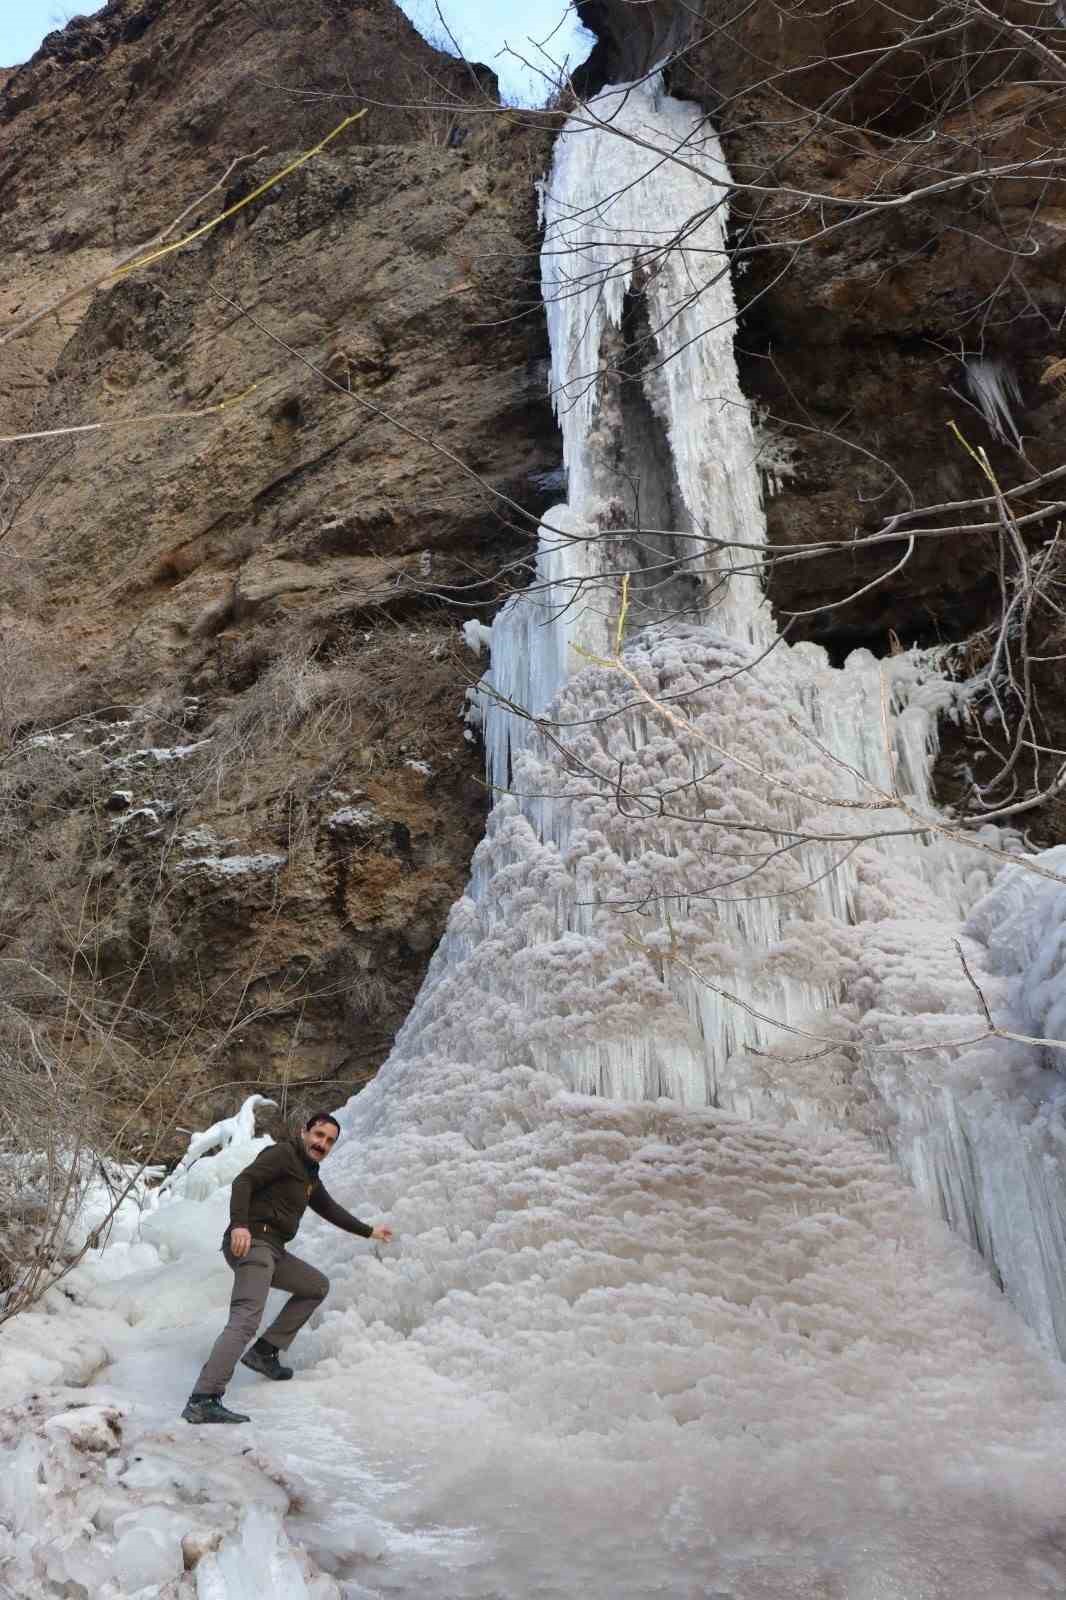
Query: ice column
x,y
657,437
664,489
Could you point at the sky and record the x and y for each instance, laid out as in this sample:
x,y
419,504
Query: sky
x,y
544,32
535,29
24,23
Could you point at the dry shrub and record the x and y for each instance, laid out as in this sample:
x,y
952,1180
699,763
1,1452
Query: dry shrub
x,y
25,676
263,719
50,1138
367,699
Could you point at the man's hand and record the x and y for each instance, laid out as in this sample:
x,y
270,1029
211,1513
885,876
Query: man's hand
x,y
383,1233
240,1242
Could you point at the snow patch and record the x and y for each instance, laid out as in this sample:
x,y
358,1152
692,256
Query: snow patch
x,y
232,866
364,816
201,840
155,757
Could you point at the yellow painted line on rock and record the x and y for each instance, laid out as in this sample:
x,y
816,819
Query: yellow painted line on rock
x,y
131,422
179,244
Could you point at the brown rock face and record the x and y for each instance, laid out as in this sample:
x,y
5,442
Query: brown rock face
x,y
319,432
899,232
881,255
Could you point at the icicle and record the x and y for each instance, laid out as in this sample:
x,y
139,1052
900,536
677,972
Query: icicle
x,y
994,385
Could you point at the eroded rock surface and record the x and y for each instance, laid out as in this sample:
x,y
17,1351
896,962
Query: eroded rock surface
x,y
324,432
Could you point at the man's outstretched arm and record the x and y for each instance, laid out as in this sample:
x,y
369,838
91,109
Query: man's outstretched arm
x,y
324,1204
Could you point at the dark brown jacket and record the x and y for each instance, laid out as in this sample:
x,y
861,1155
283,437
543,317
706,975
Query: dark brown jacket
x,y
271,1195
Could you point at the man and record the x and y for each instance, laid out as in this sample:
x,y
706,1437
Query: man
x,y
267,1201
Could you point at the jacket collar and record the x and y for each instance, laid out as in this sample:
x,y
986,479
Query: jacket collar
x,y
297,1144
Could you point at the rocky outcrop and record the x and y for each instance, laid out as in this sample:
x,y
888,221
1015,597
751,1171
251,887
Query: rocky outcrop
x,y
876,278
320,434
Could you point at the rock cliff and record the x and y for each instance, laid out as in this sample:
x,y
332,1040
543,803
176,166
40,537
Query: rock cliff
x,y
236,794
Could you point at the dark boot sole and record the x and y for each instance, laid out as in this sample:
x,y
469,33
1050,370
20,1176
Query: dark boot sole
x,y
206,1421
252,1364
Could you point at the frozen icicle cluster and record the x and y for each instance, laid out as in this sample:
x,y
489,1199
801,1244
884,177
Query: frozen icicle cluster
x,y
995,387
668,948
656,944
980,1128
684,876
621,217
1022,922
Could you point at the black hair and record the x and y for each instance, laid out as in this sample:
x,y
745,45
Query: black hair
x,y
322,1116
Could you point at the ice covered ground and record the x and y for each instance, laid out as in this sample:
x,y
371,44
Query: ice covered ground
x,y
664,1316
620,1350
623,1346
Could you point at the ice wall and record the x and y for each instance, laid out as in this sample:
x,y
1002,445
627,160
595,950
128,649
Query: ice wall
x,y
702,868
979,1128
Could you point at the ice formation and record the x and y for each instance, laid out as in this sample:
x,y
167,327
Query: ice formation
x,y
657,436
995,387
664,1316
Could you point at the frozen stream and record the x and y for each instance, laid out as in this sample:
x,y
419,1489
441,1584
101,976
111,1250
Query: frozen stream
x,y
664,1317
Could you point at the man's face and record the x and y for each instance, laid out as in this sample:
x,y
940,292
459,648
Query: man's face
x,y
319,1140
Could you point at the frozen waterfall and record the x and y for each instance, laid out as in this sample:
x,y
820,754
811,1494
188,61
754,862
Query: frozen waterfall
x,y
664,1317
673,906
657,437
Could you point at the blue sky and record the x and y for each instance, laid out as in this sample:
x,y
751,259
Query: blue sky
x,y
541,31
24,23
482,27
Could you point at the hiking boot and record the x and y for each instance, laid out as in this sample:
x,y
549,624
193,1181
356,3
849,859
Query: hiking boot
x,y
264,1358
209,1408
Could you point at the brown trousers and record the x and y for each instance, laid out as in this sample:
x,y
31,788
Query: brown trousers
x,y
265,1267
